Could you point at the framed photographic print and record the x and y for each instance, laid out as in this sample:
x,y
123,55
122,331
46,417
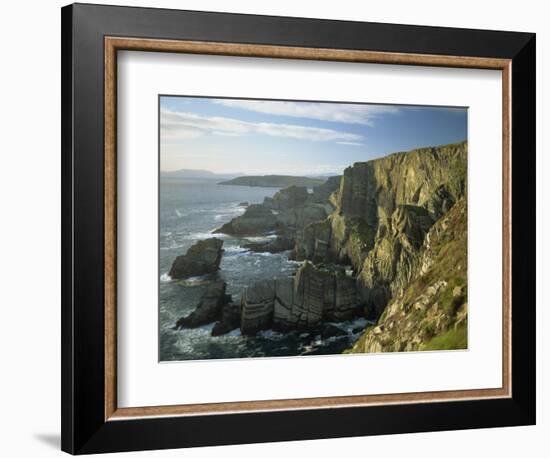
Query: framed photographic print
x,y
281,228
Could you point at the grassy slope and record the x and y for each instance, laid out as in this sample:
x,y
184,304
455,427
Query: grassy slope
x,y
431,314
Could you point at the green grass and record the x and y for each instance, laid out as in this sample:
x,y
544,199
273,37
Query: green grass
x,y
449,302
453,339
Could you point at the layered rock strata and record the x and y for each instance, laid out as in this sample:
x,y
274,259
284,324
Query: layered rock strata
x,y
383,211
313,296
430,312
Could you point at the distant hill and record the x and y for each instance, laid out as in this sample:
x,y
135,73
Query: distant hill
x,y
274,181
197,173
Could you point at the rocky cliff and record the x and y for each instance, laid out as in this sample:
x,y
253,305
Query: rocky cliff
x,y
384,209
289,210
431,311
386,241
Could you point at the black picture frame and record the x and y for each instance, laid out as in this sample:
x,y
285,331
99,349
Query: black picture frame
x,y
84,428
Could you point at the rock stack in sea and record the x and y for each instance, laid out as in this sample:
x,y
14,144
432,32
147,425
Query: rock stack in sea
x,y
202,258
314,295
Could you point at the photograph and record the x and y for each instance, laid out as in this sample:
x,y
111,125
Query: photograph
x,y
279,228
297,228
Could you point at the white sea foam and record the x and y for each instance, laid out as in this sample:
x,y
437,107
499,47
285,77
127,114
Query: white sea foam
x,y
207,327
205,235
351,325
270,334
236,250
294,263
261,238
173,246
200,235
165,278
194,281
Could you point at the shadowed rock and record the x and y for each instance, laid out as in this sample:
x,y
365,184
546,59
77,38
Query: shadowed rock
x,y
322,193
257,219
230,319
209,308
431,310
281,243
257,307
202,258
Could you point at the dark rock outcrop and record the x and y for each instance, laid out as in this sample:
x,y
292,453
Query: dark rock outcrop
x,y
331,330
202,258
279,244
257,219
210,307
230,319
286,212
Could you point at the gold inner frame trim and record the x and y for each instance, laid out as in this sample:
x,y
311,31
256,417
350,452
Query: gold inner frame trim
x,y
114,44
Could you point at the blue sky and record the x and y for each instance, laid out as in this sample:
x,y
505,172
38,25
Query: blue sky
x,y
295,138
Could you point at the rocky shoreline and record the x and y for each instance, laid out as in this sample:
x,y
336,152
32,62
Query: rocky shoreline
x,y
370,244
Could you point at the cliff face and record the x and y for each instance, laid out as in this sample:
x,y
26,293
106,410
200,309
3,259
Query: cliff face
x,y
384,209
431,311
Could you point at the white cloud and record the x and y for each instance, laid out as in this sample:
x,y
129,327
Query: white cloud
x,y
178,125
351,143
336,112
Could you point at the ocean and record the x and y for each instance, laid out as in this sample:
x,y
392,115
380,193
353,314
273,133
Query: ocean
x,y
189,210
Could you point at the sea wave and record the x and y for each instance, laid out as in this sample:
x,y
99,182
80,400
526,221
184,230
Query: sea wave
x,y
352,326
235,250
293,262
165,278
204,236
196,281
261,238
270,334
265,254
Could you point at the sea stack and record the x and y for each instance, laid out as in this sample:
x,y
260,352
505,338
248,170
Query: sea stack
x,y
202,258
